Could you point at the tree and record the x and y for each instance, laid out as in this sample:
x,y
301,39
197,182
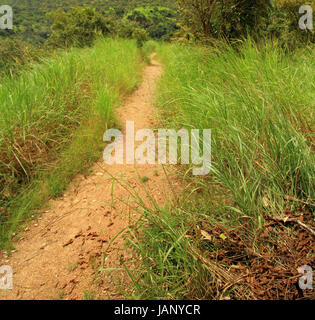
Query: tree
x,y
15,54
198,13
77,27
141,36
159,22
228,18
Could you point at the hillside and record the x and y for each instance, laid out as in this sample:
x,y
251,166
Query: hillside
x,y
32,25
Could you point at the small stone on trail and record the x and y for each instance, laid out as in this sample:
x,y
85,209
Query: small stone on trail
x,y
93,234
69,242
102,240
79,234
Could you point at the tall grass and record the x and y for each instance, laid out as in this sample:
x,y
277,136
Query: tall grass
x,y
259,103
52,122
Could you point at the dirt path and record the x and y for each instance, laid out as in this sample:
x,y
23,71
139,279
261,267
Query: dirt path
x,y
59,255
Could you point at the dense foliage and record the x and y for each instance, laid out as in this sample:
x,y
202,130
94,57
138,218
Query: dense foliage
x,y
77,27
234,19
56,24
31,23
15,54
159,22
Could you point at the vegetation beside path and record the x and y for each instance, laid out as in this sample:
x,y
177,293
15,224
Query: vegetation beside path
x,y
52,122
243,231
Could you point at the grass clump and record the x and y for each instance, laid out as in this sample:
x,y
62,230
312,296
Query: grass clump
x,y
235,233
259,103
52,123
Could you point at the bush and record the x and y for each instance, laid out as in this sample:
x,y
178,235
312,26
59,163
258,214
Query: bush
x,y
233,20
15,54
77,27
283,25
159,22
140,35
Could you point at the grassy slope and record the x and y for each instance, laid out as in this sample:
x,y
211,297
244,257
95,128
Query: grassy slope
x,y
259,104
52,123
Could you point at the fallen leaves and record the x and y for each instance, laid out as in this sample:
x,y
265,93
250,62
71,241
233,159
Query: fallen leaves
x,y
269,266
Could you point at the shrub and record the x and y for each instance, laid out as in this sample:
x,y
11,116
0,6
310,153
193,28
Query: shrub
x,y
77,27
15,54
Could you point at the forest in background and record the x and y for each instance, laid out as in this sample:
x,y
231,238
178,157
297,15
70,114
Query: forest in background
x,y
31,23
40,27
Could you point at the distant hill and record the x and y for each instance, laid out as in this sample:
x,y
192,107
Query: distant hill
x,y
32,25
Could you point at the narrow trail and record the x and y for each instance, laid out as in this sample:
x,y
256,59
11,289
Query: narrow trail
x,y
59,255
